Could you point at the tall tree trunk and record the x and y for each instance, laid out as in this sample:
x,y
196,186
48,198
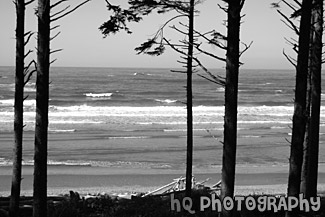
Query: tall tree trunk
x,y
305,162
42,102
310,164
231,96
189,159
299,116
316,67
18,108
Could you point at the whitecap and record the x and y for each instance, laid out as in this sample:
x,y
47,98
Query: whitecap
x,y
168,101
98,95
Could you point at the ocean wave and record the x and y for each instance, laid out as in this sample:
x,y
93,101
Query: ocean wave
x,y
11,102
128,137
30,87
168,101
221,89
90,163
98,95
62,131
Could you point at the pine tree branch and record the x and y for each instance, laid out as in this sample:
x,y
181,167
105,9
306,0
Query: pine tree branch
x,y
292,25
214,78
210,54
174,48
69,12
211,41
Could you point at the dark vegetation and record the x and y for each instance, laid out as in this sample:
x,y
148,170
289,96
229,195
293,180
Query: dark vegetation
x,y
74,205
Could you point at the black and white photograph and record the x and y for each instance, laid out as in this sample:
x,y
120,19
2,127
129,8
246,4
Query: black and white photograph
x,y
162,108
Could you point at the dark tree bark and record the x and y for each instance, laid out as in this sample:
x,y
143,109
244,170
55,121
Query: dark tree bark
x,y
42,102
305,162
18,108
299,116
189,160
310,187
231,95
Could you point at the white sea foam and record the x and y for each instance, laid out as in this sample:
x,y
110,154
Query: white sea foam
x,y
62,131
221,89
128,137
7,102
98,95
128,164
11,102
168,101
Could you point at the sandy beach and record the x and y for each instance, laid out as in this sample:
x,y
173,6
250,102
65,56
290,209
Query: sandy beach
x,y
250,179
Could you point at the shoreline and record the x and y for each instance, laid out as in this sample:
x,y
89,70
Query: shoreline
x,y
250,179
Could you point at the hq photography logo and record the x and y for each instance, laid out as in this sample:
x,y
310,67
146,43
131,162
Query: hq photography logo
x,y
260,203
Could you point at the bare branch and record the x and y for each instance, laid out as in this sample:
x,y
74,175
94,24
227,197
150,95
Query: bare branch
x,y
54,51
178,71
26,68
294,45
29,52
289,5
181,62
53,61
178,30
214,78
174,48
247,46
290,59
54,27
30,74
210,54
59,2
29,2
55,36
66,8
65,14
292,25
223,8
30,34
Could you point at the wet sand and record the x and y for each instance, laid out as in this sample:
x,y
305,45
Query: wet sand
x,y
250,179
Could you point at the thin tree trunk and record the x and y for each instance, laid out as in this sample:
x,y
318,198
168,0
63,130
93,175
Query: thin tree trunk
x,y
18,108
316,67
189,159
299,116
305,162
231,95
42,102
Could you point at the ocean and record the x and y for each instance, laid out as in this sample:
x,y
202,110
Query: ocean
x,y
136,118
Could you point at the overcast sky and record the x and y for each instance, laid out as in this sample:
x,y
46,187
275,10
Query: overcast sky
x,y
84,45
